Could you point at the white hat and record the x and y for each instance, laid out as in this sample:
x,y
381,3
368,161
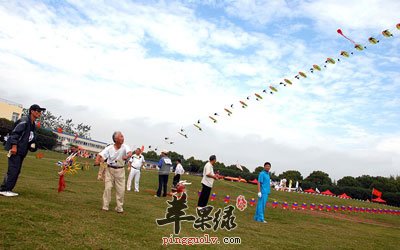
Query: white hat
x,y
164,152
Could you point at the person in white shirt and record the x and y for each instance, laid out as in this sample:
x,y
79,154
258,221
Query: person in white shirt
x,y
116,155
178,172
135,164
207,182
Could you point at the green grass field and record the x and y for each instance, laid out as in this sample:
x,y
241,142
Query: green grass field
x,y
41,218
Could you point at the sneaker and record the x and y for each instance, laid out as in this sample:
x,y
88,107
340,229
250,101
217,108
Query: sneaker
x,y
8,193
119,211
156,196
264,221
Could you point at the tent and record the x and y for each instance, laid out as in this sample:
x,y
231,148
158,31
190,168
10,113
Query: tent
x,y
327,192
379,200
254,181
229,178
344,196
309,191
242,180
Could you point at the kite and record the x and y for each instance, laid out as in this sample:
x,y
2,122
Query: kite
x,y
59,130
228,111
285,81
373,40
302,74
330,60
182,134
359,47
344,54
273,89
198,126
67,166
213,119
316,67
387,33
288,81
168,141
341,33
239,166
356,46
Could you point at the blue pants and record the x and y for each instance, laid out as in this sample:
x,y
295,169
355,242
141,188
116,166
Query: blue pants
x,y
261,203
162,185
14,169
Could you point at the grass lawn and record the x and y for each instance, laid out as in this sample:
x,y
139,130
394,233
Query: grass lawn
x,y
41,218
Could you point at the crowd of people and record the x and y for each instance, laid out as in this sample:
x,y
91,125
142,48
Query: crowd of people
x,y
112,160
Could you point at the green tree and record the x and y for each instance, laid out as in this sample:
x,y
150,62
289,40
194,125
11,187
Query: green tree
x,y
365,181
6,127
293,175
151,156
45,138
258,169
348,181
319,178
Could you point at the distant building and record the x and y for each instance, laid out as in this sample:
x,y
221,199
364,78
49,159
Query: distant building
x,y
66,140
10,110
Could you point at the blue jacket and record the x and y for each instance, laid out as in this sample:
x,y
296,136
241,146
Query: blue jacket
x,y
23,129
265,182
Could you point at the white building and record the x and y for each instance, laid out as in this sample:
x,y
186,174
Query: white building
x,y
65,140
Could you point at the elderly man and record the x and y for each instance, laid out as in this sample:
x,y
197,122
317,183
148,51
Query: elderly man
x,y
135,164
264,189
116,155
164,165
21,139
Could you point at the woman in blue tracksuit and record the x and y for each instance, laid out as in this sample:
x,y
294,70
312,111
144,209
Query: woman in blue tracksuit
x,y
264,189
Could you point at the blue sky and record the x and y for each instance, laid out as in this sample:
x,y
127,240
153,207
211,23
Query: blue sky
x,y
152,68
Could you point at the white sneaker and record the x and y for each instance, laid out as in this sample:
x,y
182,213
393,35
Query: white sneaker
x,y
8,193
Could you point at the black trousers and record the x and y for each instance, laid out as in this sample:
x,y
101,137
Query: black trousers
x,y
162,185
176,179
204,196
14,169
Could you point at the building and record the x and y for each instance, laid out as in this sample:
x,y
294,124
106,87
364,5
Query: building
x,y
66,140
10,110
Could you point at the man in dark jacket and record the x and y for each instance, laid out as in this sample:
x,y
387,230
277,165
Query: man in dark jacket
x,y
21,140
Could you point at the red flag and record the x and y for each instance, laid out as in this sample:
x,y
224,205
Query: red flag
x,y
376,192
61,183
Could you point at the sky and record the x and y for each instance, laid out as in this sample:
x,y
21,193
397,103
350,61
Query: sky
x,y
152,68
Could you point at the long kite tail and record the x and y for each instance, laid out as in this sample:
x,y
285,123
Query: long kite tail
x,y
61,183
341,33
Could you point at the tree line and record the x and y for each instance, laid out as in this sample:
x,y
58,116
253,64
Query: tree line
x,y
45,138
357,187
